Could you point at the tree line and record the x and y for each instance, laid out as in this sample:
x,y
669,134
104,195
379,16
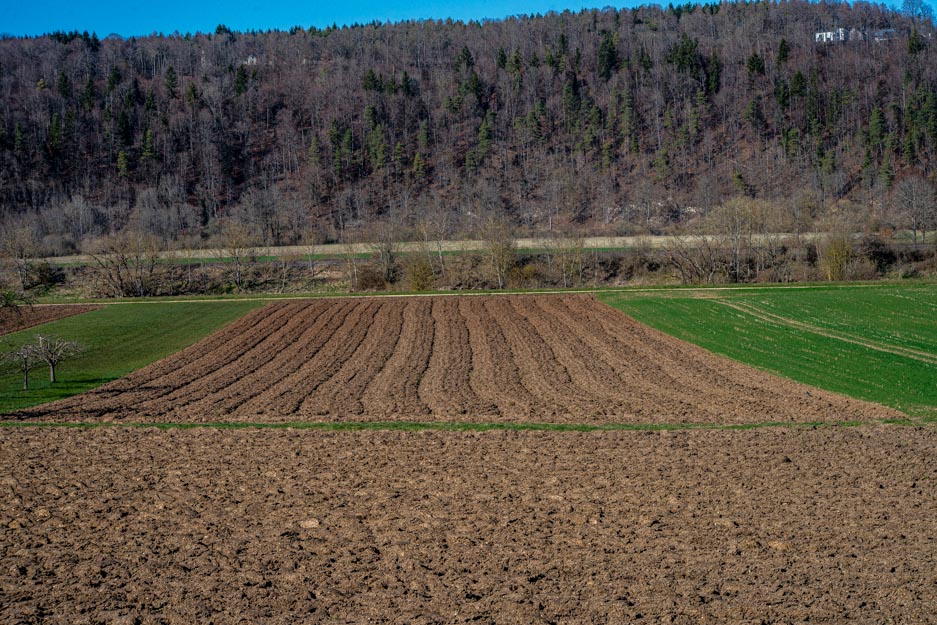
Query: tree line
x,y
623,121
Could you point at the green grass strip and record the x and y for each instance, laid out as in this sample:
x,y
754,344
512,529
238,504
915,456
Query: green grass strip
x,y
117,341
656,289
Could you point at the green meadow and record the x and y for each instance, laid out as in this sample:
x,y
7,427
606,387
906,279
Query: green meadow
x,y
118,339
873,342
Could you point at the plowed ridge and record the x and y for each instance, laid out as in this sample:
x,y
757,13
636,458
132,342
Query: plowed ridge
x,y
543,359
14,320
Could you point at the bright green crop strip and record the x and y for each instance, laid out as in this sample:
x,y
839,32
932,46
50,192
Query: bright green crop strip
x,y
905,317
118,340
844,343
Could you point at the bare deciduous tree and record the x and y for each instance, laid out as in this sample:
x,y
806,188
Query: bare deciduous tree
x,y
18,242
500,249
569,255
310,241
127,262
383,241
698,258
733,220
917,202
238,245
26,358
53,350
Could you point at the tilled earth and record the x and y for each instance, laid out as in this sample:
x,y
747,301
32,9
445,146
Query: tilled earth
x,y
29,316
772,525
554,359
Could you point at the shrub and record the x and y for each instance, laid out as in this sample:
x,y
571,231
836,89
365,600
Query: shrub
x,y
419,273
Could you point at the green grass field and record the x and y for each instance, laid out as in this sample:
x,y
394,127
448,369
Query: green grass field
x,y
118,338
874,342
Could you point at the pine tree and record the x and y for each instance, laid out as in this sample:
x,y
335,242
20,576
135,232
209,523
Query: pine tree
x,y
313,154
422,135
419,168
886,173
240,80
19,140
915,42
147,154
908,152
55,134
64,86
123,166
373,81
713,74
377,147
876,129
191,95
485,136
113,80
608,57
465,60
170,81
607,156
755,65
784,52
87,96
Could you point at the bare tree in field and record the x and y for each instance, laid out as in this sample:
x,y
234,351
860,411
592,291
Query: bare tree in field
x,y
733,221
238,244
697,258
383,240
570,256
127,262
53,350
916,199
434,230
500,248
311,239
26,358
19,244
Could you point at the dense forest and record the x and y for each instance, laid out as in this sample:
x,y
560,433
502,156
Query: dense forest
x,y
614,121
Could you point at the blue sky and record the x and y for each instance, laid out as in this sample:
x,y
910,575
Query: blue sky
x,y
129,17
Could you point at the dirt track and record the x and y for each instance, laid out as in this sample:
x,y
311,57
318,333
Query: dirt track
x,y
559,359
775,525
29,316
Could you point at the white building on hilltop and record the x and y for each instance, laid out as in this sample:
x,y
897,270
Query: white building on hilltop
x,y
832,36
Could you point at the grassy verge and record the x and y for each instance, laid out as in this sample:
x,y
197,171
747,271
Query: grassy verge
x,y
875,344
118,340
662,290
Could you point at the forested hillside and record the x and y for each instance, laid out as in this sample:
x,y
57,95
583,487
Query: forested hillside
x,y
605,120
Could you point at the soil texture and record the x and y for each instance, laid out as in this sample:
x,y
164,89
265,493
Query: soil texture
x,y
772,525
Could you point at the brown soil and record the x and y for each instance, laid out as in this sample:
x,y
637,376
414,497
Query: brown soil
x,y
776,525
28,316
557,359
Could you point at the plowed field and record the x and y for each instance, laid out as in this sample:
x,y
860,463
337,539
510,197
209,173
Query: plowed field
x,y
776,525
29,316
550,359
